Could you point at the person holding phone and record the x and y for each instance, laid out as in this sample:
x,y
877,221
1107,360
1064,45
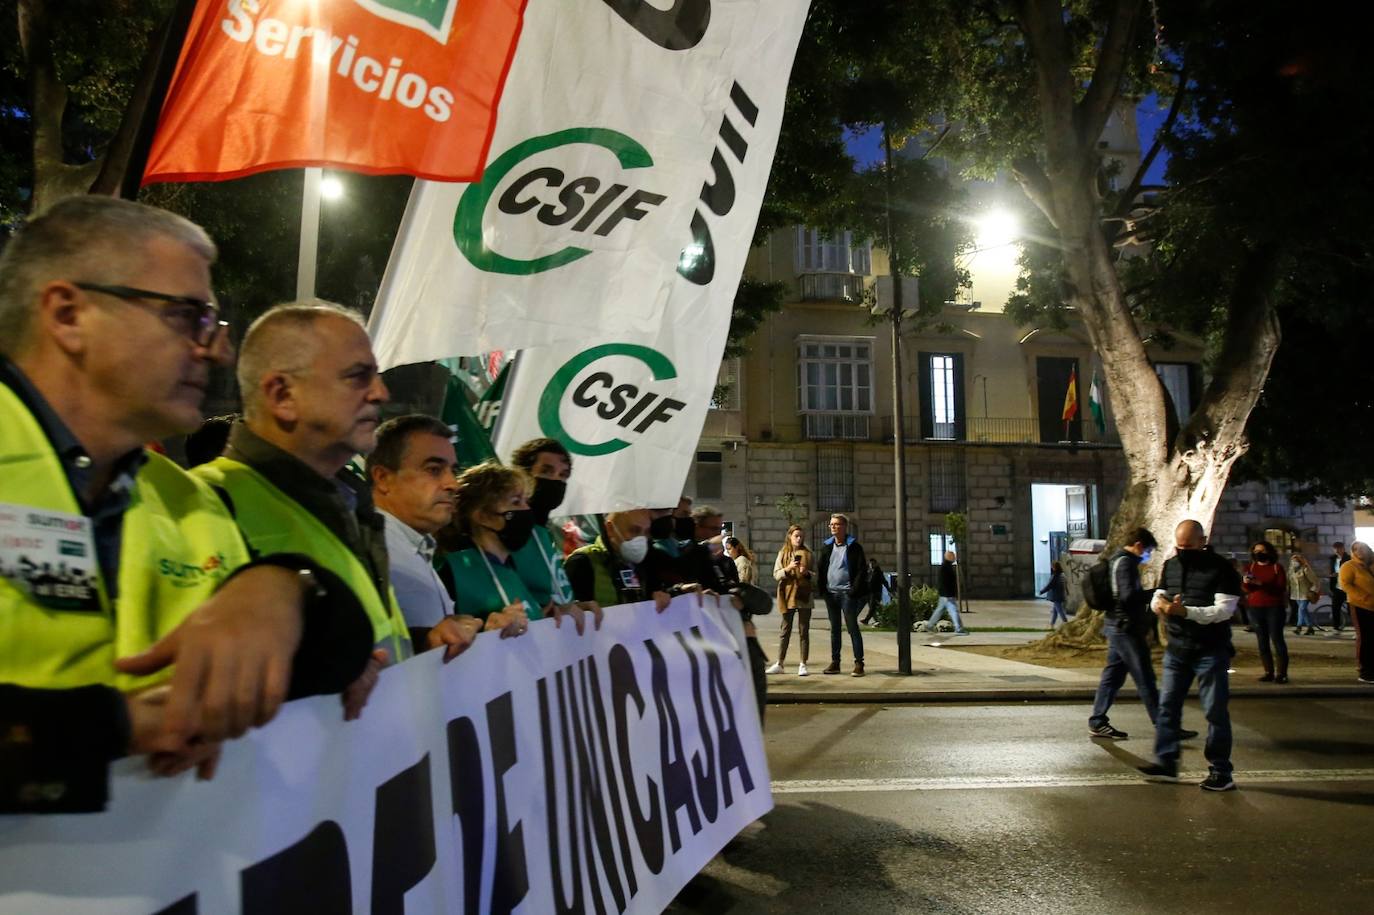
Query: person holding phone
x,y
795,572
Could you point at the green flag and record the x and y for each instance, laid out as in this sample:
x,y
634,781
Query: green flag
x,y
1095,406
471,441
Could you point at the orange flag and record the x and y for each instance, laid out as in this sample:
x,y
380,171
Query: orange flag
x,y
1071,397
376,86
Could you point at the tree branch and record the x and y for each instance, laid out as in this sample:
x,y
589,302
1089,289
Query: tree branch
x,y
1096,106
1036,184
1127,200
115,161
1042,22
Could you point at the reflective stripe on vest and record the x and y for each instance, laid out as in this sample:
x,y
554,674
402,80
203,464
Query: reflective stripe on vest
x,y
273,522
177,544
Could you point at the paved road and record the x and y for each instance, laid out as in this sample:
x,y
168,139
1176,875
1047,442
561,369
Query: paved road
x,y
1011,808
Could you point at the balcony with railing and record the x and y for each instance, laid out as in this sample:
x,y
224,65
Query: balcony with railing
x,y
822,427
842,287
997,430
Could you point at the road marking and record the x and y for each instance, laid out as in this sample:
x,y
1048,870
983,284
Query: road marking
x,y
967,782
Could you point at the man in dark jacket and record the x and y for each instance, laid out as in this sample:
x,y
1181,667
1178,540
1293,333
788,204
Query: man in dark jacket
x,y
843,582
1197,596
1128,623
1339,557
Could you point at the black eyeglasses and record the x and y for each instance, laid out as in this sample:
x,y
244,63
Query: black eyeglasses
x,y
194,318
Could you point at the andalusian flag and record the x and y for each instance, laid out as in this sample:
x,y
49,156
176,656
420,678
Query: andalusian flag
x,y
1071,397
1095,405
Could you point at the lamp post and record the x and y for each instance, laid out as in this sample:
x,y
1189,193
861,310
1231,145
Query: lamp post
x,y
898,430
316,187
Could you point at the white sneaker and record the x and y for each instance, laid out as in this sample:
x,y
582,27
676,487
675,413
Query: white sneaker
x,y
776,668
801,669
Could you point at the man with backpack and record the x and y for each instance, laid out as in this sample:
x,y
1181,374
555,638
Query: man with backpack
x,y
1113,586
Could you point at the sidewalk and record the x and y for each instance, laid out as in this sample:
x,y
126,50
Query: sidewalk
x,y
942,673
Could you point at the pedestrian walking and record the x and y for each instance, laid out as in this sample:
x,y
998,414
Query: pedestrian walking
x,y
949,596
1303,590
1127,627
795,572
1357,580
843,585
1338,558
1196,599
1055,592
1266,594
877,584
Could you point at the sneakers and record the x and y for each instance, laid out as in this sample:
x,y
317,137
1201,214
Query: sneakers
x,y
1365,679
834,668
961,632
1281,678
1162,771
774,668
858,669
1107,732
1215,781
1186,734
1267,678
801,669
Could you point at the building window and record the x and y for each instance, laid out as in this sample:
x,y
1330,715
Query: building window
x,y
1180,380
835,479
939,543
946,480
835,376
821,252
709,470
1276,502
726,395
942,396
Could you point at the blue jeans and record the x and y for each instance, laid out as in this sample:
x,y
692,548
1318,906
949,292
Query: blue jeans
x,y
1214,691
945,603
1304,618
846,605
1127,653
1057,611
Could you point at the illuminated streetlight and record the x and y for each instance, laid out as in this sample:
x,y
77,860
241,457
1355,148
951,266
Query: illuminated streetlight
x,y
331,188
997,228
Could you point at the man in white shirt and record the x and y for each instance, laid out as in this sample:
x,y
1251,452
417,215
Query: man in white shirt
x,y
414,471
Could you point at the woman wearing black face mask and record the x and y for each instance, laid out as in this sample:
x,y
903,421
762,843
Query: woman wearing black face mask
x,y
1266,594
492,509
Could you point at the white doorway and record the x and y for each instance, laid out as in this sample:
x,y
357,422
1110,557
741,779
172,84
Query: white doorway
x,y
1060,514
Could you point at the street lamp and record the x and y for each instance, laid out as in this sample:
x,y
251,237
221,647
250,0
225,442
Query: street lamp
x,y
316,187
331,188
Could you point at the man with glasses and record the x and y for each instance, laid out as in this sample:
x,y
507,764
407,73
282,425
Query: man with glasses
x,y
114,563
312,399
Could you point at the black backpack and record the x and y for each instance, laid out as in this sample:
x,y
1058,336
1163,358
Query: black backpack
x,y
1097,587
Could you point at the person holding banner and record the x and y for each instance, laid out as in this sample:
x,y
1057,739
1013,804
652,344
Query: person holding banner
x,y
613,569
493,511
312,399
119,572
414,471
540,562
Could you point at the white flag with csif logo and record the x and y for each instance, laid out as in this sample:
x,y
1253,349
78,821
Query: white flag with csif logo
x,y
632,147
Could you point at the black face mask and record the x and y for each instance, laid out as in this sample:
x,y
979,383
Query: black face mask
x,y
547,495
1263,557
519,527
661,528
684,528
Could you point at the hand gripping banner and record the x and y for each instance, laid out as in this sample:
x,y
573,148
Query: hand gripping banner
x,y
554,772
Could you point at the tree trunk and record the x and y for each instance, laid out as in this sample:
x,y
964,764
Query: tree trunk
x,y
1169,478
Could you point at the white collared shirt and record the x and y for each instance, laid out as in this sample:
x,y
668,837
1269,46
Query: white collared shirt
x,y
419,591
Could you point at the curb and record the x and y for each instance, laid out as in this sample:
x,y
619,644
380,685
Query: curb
x,y
1061,694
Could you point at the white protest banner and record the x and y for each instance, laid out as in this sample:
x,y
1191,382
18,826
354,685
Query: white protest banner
x,y
614,115
554,772
629,404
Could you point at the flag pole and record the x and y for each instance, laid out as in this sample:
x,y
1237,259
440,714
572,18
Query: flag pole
x,y
310,235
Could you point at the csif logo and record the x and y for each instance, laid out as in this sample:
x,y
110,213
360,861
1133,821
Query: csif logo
x,y
602,396
581,202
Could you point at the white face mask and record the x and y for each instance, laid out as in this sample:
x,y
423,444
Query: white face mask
x,y
634,550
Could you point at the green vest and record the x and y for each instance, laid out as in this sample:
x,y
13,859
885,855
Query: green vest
x,y
599,556
475,594
178,543
273,522
540,564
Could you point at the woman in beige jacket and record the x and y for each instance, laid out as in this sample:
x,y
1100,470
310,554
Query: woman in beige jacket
x,y
795,573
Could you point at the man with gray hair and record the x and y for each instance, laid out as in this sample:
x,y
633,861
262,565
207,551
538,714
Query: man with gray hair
x,y
117,564
312,398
